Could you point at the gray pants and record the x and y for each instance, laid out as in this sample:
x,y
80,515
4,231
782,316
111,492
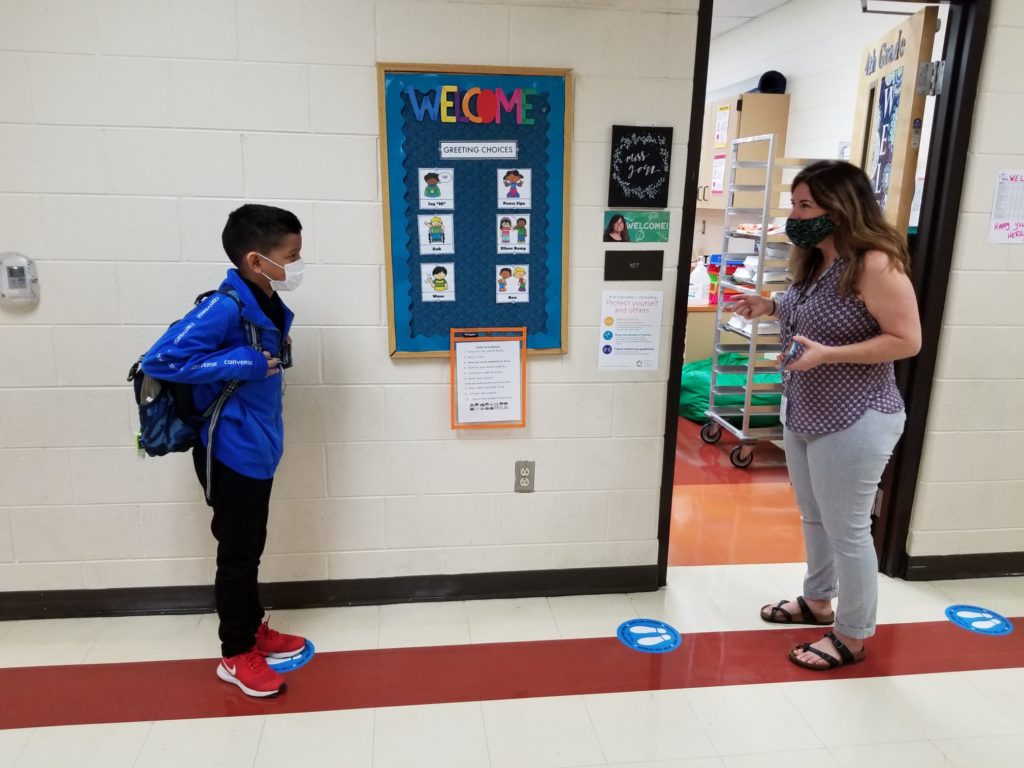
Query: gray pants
x,y
835,477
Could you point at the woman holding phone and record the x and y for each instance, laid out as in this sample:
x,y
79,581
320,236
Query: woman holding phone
x,y
849,313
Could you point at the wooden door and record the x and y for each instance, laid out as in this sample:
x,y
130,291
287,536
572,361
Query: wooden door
x,y
890,112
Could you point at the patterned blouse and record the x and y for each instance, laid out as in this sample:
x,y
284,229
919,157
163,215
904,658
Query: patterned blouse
x,y
831,397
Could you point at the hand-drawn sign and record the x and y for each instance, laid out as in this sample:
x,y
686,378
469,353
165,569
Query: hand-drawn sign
x,y
640,161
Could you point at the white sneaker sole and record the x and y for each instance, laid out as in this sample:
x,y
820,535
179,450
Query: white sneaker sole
x,y
285,654
227,677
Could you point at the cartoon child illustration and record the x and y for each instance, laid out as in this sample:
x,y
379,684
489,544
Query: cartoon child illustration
x,y
432,190
438,279
504,274
513,180
505,227
521,229
520,275
435,230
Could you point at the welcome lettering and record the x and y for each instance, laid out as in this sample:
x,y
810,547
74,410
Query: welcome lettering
x,y
448,104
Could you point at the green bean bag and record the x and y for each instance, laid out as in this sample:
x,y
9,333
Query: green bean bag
x,y
695,390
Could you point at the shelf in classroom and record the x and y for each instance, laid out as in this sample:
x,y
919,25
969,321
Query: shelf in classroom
x,y
760,364
773,213
742,349
740,288
721,415
747,334
757,386
775,238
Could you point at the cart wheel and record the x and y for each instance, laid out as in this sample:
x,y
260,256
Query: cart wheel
x,y
711,433
741,456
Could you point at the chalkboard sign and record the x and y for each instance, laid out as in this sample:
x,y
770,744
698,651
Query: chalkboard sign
x,y
641,158
475,167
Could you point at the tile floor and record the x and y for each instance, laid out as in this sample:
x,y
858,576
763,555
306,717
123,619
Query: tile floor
x,y
881,718
542,682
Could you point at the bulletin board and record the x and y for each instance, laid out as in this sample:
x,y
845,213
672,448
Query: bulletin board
x,y
475,176
890,113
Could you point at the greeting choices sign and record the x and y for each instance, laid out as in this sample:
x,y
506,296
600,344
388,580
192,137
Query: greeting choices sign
x,y
475,165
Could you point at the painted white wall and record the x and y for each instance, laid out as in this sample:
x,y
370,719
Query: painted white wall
x,y
130,128
971,491
818,45
971,495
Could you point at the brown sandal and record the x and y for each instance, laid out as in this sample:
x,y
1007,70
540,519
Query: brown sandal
x,y
779,615
846,656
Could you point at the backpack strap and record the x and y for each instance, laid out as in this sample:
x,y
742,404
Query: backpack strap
x,y
252,333
212,413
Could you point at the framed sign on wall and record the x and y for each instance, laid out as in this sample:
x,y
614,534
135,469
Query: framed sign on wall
x,y
641,159
890,113
475,169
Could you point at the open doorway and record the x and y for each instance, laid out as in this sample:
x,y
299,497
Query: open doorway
x,y
712,511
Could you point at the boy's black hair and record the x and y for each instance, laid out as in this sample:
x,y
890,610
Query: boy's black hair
x,y
427,177
257,228
440,271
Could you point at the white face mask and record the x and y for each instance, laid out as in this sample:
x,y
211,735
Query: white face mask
x,y
292,275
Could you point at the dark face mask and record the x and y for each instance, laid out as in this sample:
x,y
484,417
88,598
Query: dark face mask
x,y
807,233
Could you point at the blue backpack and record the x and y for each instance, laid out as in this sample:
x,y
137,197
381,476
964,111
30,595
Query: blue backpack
x,y
169,421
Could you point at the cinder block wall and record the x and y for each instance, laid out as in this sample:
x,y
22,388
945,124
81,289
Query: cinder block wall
x,y
971,495
130,128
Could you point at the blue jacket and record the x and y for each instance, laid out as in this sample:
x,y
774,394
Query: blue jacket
x,y
208,348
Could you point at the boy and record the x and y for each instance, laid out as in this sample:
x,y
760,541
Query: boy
x,y
208,348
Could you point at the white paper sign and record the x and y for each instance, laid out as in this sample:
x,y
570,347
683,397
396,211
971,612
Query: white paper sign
x,y
722,127
1007,224
479,150
718,175
630,333
489,381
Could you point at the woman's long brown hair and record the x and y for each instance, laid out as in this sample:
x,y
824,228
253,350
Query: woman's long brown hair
x,y
844,191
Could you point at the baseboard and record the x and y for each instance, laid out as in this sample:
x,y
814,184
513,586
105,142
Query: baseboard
x,y
980,566
137,601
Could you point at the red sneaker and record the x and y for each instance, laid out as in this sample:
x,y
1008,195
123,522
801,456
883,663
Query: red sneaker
x,y
249,671
277,645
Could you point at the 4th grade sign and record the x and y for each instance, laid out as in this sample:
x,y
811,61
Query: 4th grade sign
x,y
475,169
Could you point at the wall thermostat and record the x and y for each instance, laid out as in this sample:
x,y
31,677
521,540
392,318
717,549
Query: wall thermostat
x,y
19,283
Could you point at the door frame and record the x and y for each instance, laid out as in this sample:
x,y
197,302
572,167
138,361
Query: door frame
x,y
967,29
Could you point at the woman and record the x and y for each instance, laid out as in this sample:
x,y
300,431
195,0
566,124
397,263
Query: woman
x,y
851,311
616,231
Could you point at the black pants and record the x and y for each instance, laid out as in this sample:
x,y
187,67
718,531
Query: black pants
x,y
240,508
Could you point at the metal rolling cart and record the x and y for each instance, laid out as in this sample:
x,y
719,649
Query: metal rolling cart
x,y
764,270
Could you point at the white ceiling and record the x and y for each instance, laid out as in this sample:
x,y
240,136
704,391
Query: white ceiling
x,y
729,14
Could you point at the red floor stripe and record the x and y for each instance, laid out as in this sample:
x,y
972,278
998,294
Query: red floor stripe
x,y
170,690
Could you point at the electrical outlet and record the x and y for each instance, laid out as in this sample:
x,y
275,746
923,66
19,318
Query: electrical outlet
x,y
525,471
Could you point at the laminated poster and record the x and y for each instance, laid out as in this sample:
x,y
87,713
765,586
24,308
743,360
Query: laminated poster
x,y
630,331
